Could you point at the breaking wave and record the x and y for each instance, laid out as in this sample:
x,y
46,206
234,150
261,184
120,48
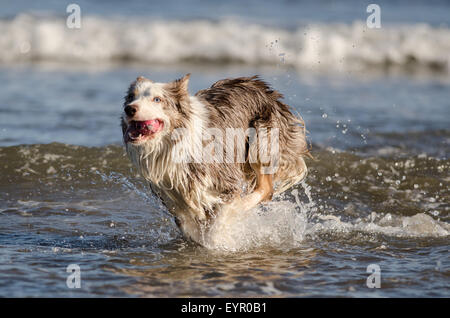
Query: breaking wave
x,y
318,46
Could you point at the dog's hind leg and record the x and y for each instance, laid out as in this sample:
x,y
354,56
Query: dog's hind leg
x,y
262,192
239,209
264,183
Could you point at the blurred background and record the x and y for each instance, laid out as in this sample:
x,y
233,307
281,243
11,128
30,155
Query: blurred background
x,y
376,103
346,79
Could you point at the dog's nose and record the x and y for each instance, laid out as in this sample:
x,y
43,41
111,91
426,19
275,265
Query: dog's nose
x,y
130,110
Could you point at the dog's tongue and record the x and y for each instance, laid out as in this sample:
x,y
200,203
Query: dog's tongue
x,y
142,128
151,125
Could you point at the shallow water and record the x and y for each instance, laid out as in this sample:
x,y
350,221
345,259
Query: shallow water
x,y
78,205
377,190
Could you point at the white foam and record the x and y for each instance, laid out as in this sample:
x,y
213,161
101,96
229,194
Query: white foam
x,y
419,225
275,224
319,46
286,225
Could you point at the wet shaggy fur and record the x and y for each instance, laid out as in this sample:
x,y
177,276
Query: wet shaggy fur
x,y
197,192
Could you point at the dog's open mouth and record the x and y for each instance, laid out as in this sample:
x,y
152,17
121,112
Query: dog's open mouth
x,y
140,130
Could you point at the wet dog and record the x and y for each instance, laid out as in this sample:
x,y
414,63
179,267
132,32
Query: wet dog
x,y
222,151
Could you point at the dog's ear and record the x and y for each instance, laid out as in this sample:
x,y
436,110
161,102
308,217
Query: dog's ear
x,y
182,83
179,88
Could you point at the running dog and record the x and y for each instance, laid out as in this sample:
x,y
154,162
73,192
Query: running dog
x,y
223,150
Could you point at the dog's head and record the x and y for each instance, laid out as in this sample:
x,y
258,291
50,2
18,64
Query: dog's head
x,y
153,110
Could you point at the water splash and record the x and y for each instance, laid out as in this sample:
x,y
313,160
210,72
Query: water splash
x,y
284,224
281,223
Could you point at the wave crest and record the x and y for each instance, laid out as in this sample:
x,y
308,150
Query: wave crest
x,y
319,46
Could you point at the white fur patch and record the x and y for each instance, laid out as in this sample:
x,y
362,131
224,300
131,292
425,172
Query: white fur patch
x,y
148,109
155,162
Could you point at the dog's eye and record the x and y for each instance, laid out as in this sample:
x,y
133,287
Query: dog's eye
x,y
156,99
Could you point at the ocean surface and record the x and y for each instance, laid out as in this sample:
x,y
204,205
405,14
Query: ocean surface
x,y
376,103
